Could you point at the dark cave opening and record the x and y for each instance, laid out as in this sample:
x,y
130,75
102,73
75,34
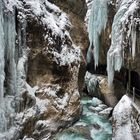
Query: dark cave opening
x,y
101,69
134,82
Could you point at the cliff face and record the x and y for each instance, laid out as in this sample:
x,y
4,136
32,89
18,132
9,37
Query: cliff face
x,y
76,11
42,59
39,70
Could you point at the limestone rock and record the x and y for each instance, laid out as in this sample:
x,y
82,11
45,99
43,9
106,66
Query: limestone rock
x,y
97,86
76,11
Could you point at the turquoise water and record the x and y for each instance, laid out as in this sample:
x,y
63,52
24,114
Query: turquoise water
x,y
91,125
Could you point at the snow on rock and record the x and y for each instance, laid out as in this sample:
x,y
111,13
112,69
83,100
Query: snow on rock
x,y
57,103
67,56
106,112
21,73
91,82
123,120
48,113
97,86
55,25
10,4
50,15
123,30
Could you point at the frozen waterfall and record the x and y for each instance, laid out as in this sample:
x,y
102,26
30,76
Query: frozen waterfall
x,y
97,22
123,19
8,78
2,47
10,64
123,33
2,73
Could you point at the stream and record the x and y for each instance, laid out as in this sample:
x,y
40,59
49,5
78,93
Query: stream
x,y
93,124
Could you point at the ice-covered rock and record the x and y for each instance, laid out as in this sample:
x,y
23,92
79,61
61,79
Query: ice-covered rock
x,y
97,86
91,82
36,50
96,102
125,123
106,112
49,112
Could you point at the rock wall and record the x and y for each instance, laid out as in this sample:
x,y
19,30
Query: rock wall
x,y
97,86
47,66
76,11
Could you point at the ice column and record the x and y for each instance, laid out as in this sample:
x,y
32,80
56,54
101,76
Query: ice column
x,y
2,47
10,34
97,22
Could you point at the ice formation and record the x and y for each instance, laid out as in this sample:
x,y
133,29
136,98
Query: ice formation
x,y
14,53
2,73
123,32
10,34
8,63
125,17
97,22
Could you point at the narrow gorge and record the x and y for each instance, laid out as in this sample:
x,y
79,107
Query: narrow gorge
x,y
69,70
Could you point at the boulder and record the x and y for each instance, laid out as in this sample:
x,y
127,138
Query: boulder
x,y
51,113
125,120
97,86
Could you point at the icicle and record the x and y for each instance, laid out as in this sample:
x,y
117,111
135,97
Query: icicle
x,y
133,38
97,22
7,66
21,73
3,121
2,74
23,52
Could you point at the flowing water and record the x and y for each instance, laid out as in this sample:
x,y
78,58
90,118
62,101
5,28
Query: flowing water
x,y
91,125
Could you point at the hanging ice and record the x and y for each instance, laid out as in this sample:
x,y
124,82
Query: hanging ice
x,y
121,20
2,47
10,65
2,73
97,22
7,65
133,38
